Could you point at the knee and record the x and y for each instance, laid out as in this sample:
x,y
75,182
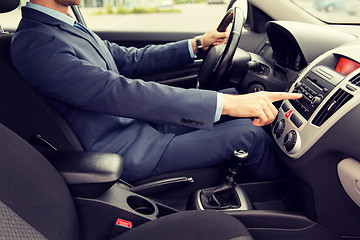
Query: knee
x,y
261,139
244,135
263,161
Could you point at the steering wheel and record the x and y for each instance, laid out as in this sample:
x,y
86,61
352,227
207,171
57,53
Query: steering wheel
x,y
218,58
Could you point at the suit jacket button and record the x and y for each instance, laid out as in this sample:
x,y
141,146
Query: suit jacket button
x,y
183,121
200,123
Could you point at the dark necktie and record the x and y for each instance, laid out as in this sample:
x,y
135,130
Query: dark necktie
x,y
81,27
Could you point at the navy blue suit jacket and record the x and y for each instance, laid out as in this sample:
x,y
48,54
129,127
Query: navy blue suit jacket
x,y
91,83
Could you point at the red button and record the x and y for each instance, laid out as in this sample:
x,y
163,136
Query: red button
x,y
123,223
287,115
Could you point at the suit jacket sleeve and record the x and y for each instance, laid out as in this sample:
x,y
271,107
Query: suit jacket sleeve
x,y
54,67
133,62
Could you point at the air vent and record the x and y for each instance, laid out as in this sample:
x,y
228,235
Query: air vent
x,y
355,80
331,106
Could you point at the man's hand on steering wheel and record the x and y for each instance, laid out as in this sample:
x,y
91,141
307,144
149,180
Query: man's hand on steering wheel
x,y
211,37
218,59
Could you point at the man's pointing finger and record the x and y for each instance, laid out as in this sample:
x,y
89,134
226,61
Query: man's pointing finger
x,y
277,96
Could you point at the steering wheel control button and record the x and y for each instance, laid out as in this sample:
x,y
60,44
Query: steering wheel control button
x,y
296,120
290,140
287,114
279,128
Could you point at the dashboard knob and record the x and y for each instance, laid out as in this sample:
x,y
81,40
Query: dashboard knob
x,y
315,101
290,140
279,128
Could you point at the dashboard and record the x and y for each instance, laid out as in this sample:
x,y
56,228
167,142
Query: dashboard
x,y
318,136
327,76
286,51
295,44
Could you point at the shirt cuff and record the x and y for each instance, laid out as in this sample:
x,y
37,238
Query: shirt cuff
x,y
219,106
191,51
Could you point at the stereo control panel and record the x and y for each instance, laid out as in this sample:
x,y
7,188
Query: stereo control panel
x,y
314,87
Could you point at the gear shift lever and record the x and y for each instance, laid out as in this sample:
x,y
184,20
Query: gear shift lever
x,y
225,194
239,158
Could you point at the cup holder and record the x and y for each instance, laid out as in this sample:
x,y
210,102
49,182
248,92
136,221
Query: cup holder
x,y
140,205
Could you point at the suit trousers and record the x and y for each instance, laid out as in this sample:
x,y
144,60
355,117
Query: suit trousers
x,y
191,148
203,148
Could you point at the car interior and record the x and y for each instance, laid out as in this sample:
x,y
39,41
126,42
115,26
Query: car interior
x,y
51,188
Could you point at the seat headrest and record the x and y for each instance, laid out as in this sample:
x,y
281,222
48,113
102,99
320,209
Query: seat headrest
x,y
8,5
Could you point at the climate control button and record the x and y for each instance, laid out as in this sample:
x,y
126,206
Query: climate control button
x,y
290,140
279,127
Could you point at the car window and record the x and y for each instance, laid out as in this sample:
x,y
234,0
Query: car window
x,y
332,11
142,15
182,15
10,20
154,15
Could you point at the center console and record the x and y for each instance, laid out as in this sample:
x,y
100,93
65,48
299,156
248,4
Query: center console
x,y
317,137
329,87
106,206
116,211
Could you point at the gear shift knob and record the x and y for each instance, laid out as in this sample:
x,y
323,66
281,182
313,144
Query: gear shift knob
x,y
239,158
241,154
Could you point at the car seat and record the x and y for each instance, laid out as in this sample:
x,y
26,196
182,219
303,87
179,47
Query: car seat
x,y
26,112
35,203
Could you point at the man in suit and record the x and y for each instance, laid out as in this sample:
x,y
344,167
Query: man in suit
x,y
92,84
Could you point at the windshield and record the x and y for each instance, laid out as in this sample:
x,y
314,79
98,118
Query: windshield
x,y
332,11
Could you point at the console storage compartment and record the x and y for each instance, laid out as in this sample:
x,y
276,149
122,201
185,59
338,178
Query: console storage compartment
x,y
106,206
103,217
88,174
